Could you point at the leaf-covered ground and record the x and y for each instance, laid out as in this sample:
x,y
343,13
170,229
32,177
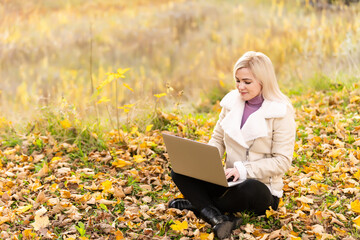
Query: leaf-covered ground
x,y
51,189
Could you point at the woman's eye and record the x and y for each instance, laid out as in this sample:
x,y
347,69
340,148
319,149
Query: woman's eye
x,y
247,82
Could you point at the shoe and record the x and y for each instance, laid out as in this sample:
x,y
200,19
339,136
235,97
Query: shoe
x,y
181,203
222,225
237,222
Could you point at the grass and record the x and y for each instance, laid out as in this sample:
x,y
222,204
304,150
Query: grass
x,y
326,180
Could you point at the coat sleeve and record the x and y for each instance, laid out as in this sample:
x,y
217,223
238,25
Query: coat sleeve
x,y
283,142
217,137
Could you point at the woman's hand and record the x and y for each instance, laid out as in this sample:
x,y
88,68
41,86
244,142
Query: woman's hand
x,y
232,172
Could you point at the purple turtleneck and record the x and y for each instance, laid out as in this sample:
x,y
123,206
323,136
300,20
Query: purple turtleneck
x,y
251,106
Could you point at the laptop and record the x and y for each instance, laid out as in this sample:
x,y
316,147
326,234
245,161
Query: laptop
x,y
198,160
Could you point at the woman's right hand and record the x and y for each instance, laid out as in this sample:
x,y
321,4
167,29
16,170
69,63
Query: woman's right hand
x,y
232,172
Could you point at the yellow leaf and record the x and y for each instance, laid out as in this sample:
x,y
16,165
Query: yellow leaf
x,y
355,206
126,107
133,225
357,221
139,159
149,127
106,81
317,176
129,105
222,84
107,185
179,226
119,163
121,72
160,95
119,235
83,238
134,130
103,99
270,212
54,159
357,175
40,222
23,208
28,234
65,124
206,236
128,87
53,187
70,238
354,99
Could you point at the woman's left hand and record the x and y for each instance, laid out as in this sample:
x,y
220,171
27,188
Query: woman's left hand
x,y
232,172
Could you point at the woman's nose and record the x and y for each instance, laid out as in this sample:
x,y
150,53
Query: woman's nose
x,y
241,85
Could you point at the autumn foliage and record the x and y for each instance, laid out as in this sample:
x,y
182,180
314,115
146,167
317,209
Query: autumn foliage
x,y
49,190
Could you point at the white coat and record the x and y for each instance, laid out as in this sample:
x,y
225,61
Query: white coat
x,y
263,148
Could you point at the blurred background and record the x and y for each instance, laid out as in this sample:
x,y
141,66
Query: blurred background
x,y
58,52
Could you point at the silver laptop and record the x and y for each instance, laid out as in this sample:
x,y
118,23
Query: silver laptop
x,y
198,160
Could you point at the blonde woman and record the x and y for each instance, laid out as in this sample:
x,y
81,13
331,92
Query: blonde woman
x,y
256,129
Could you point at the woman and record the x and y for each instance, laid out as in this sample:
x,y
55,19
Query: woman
x,y
256,128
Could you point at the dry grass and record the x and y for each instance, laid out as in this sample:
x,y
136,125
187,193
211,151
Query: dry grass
x,y
192,45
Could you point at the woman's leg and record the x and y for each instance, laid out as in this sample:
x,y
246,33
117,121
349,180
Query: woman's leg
x,y
198,192
251,195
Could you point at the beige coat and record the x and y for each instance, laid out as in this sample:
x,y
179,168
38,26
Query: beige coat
x,y
263,148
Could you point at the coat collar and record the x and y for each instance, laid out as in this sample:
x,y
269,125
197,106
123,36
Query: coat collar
x,y
255,126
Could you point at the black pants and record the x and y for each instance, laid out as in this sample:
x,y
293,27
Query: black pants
x,y
250,195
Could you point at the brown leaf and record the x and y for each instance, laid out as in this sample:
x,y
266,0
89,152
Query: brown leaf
x,y
119,193
275,235
5,197
128,190
334,220
106,202
43,171
40,222
41,197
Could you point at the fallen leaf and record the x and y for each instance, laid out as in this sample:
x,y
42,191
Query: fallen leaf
x,y
40,222
179,226
355,206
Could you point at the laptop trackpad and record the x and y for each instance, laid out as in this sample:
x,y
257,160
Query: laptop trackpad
x,y
231,184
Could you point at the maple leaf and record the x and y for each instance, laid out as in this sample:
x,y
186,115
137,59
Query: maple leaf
x,y
355,206
179,226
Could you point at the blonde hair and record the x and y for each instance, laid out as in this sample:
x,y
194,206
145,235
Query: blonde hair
x,y
262,68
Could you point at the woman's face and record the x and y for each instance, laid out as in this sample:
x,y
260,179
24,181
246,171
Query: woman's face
x,y
247,84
